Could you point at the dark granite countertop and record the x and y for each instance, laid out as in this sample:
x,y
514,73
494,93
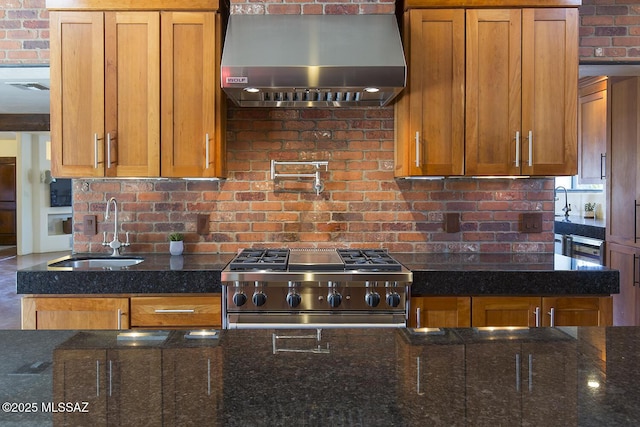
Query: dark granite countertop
x,y
433,274
587,227
507,274
158,273
371,377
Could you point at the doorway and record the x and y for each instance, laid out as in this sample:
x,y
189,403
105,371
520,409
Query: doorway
x,y
8,229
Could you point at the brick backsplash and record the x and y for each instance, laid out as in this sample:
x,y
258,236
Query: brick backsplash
x,y
610,30
362,205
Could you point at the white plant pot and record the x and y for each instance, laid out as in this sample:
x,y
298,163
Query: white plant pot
x,y
176,247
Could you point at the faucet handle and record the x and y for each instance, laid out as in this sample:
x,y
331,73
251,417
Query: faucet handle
x,y
126,243
104,239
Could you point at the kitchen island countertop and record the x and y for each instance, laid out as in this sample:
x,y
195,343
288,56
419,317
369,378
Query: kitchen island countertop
x,y
433,274
583,376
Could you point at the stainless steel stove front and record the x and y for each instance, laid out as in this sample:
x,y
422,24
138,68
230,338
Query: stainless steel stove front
x,y
315,305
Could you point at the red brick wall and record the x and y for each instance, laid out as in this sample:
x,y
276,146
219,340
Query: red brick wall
x,y
313,7
24,32
361,205
610,30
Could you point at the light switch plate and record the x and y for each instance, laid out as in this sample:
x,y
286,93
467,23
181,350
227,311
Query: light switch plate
x,y
531,222
90,225
202,224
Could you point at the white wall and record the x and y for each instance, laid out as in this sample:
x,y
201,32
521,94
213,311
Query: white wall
x,y
34,213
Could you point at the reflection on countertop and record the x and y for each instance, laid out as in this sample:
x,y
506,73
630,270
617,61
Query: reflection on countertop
x,y
539,376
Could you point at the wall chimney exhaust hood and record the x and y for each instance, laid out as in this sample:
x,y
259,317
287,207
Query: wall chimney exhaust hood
x,y
312,60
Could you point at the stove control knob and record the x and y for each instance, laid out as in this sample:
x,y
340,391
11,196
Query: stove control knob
x,y
293,299
372,299
259,298
393,299
334,299
239,299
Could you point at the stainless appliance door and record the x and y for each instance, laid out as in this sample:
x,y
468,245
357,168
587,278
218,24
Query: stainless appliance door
x,y
587,249
314,320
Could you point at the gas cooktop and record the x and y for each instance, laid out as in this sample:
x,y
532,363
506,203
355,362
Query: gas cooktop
x,y
314,260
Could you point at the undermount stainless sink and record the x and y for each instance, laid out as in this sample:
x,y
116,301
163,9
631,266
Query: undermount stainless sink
x,y
95,262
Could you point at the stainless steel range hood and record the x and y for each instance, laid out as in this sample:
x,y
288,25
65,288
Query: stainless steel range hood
x,y
312,60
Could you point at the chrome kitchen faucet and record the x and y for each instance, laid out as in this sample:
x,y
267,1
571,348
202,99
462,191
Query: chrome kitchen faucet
x,y
567,206
115,244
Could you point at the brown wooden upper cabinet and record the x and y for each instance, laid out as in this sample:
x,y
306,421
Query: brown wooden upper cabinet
x,y
135,94
502,101
592,129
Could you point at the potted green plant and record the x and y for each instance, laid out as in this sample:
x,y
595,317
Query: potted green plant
x,y
589,210
176,243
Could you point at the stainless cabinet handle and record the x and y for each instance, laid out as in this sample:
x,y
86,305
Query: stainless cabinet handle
x,y
530,372
206,139
517,149
119,320
108,150
537,314
95,151
635,282
208,377
176,310
530,148
517,371
417,149
552,313
110,377
97,378
603,172
418,317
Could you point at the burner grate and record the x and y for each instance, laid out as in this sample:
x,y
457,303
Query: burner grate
x,y
368,259
261,259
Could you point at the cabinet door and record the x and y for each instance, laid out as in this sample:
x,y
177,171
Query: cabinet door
x,y
592,131
505,311
493,92
75,313
626,304
77,94
623,161
132,85
176,311
577,311
192,386
81,376
549,91
430,138
135,386
440,312
192,123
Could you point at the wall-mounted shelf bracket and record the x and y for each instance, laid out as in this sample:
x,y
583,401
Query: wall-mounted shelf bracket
x,y
318,185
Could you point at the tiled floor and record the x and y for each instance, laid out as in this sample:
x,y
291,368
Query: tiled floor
x,y
9,264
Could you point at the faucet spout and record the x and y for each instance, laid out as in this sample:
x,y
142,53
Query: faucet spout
x,y
567,207
115,244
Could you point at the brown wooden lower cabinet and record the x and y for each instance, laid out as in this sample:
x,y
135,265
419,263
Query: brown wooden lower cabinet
x,y
481,311
75,313
121,312
176,312
627,303
440,312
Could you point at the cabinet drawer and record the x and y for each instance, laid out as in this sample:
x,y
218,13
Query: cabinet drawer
x,y
176,311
